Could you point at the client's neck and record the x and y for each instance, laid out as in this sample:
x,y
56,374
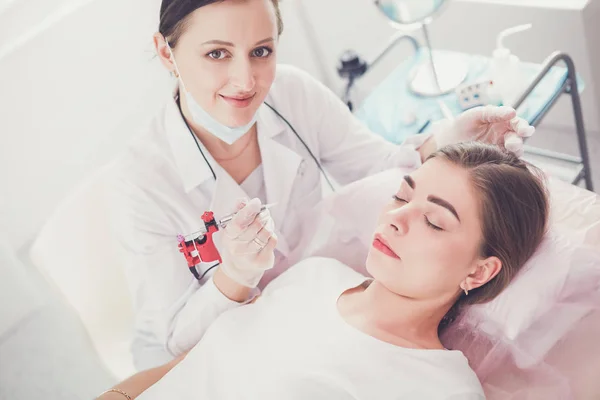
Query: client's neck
x,y
415,321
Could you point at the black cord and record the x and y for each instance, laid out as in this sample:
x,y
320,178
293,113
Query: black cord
x,y
195,139
305,145
280,116
195,272
206,272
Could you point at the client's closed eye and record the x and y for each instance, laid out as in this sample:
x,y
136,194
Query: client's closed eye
x,y
399,199
437,228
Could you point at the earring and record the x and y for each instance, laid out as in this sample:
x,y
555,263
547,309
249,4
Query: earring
x,y
175,74
465,290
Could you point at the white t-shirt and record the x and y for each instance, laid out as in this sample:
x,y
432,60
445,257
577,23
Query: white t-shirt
x,y
293,344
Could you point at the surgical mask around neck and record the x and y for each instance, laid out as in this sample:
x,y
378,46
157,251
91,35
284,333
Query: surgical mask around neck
x,y
205,120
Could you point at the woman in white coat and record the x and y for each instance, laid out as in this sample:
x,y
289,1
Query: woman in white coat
x,y
240,126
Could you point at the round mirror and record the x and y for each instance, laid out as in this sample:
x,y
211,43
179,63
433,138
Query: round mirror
x,y
408,12
441,72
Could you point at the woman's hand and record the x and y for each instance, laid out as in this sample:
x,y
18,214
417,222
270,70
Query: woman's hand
x,y
248,244
489,124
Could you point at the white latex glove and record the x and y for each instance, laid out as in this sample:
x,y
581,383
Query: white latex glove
x,y
248,243
488,124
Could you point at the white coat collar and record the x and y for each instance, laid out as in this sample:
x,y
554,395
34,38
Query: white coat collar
x,y
269,124
280,166
280,163
192,167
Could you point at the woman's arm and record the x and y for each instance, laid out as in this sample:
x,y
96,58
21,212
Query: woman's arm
x,y
346,147
173,309
138,383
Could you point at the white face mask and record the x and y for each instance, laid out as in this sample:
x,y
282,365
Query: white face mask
x,y
205,120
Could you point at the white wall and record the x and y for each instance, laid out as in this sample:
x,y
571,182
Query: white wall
x,y
71,95
591,27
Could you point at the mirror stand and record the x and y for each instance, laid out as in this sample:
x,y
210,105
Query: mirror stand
x,y
441,74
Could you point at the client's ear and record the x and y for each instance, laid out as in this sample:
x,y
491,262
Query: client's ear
x,y
485,271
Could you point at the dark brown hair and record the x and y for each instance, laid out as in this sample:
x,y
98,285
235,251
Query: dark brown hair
x,y
514,212
174,14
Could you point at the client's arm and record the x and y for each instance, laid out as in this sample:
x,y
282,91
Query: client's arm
x,y
138,383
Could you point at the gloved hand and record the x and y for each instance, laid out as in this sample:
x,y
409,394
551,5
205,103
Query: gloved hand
x,y
248,244
489,124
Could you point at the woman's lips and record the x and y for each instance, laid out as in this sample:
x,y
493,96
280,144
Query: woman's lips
x,y
238,101
379,243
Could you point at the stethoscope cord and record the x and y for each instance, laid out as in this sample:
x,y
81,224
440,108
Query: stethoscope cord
x,y
195,138
304,143
280,116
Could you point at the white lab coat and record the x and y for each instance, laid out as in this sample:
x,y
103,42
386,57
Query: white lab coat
x,y
162,186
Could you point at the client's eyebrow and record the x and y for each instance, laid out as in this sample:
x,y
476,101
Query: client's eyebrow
x,y
434,199
443,203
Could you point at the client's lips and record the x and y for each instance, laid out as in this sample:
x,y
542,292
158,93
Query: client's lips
x,y
379,243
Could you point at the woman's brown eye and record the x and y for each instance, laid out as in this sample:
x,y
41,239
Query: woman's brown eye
x,y
262,52
216,54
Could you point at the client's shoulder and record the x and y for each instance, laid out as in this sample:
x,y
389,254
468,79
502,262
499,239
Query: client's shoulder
x,y
316,272
322,268
458,378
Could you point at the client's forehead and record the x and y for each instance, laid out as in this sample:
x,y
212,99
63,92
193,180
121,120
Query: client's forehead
x,y
443,179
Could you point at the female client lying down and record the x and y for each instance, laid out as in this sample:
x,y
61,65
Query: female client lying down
x,y
455,233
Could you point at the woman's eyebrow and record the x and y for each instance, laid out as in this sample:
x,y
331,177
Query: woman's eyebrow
x,y
224,43
433,199
219,42
445,204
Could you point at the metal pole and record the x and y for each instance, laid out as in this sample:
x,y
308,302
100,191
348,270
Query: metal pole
x,y
430,52
397,37
572,90
583,150
394,39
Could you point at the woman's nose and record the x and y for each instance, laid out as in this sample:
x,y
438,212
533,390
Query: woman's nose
x,y
241,75
400,219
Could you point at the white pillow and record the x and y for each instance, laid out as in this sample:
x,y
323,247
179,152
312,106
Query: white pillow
x,y
557,267
342,226
93,282
19,297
